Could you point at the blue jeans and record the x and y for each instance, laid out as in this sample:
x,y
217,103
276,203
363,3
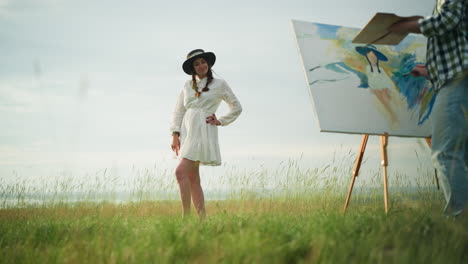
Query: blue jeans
x,y
450,142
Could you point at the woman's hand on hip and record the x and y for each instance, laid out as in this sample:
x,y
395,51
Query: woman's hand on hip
x,y
212,120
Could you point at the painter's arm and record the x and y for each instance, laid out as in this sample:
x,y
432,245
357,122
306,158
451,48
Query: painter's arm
x,y
406,26
447,19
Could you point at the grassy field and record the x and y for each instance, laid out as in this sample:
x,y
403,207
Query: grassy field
x,y
276,230
286,214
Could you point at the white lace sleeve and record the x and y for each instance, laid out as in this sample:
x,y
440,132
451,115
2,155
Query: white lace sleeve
x,y
178,114
235,108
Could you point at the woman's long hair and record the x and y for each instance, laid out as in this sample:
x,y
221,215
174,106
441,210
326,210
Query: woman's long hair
x,y
208,81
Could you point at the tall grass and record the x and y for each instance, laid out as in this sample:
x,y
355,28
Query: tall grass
x,y
289,179
283,214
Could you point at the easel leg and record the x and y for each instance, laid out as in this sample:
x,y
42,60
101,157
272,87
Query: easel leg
x,y
383,144
429,142
357,166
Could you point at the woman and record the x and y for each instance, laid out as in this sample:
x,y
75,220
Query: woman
x,y
194,126
380,83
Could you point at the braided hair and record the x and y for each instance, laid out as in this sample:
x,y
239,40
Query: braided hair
x,y
208,81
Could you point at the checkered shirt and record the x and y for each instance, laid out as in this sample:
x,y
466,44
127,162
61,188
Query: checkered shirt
x,y
447,45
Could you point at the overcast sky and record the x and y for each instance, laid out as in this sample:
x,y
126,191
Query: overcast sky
x,y
93,83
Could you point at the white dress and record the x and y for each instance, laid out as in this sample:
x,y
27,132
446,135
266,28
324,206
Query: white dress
x,y
199,140
379,81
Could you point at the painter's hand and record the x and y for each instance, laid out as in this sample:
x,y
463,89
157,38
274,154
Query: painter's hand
x,y
212,120
175,144
409,25
420,70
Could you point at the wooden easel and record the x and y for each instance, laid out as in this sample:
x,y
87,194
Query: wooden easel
x,y
384,163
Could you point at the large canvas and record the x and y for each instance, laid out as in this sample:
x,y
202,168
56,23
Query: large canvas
x,y
364,89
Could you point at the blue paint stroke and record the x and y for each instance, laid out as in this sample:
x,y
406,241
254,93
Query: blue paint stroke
x,y
327,31
342,68
415,89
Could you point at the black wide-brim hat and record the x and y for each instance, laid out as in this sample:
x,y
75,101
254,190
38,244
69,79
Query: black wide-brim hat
x,y
363,50
210,57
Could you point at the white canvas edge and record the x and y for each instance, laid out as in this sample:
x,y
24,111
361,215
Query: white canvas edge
x,y
305,74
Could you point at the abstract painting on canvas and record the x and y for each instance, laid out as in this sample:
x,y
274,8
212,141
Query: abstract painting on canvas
x,y
364,89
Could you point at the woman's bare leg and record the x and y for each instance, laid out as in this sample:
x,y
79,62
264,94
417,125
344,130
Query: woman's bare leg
x,y
183,172
198,197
